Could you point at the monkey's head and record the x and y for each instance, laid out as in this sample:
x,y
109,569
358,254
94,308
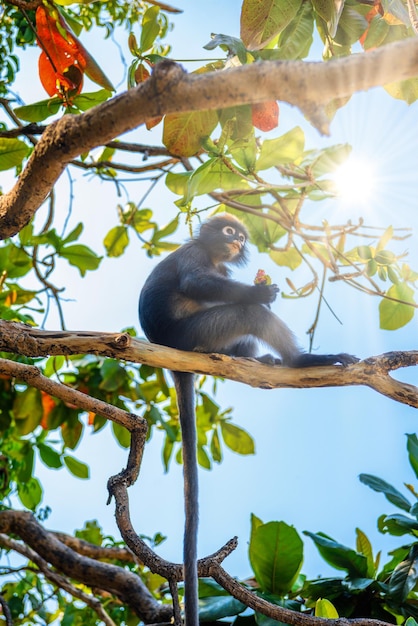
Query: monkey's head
x,y
225,238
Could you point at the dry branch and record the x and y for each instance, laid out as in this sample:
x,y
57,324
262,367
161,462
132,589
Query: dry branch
x,y
373,372
309,86
125,585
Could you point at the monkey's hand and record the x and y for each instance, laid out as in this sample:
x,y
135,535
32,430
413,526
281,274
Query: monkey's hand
x,y
264,294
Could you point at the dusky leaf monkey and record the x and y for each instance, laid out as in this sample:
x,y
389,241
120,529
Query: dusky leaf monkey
x,y
189,302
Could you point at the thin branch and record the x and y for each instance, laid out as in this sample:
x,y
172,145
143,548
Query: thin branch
x,y
6,611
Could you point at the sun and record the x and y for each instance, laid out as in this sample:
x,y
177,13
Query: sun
x,y
355,181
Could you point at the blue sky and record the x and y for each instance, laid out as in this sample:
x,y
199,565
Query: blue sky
x,y
311,444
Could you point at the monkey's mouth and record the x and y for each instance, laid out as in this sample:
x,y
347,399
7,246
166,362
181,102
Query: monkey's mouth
x,y
235,246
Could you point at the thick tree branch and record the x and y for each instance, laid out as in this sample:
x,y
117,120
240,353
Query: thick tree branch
x,y
308,86
373,372
127,586
56,579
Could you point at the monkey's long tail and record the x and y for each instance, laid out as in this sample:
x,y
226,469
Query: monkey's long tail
x,y
184,384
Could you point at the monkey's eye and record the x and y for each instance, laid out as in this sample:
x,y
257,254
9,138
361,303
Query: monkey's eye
x,y
228,230
241,237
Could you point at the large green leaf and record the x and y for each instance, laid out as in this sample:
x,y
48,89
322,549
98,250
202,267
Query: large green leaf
x,y
412,447
184,132
213,608
150,28
263,21
27,410
339,556
330,11
398,524
211,175
276,555
392,494
285,149
405,577
396,313
30,493
116,240
237,439
81,257
49,456
76,467
39,111
12,152
325,608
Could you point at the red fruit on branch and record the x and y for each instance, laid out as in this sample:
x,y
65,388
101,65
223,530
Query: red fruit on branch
x,y
265,115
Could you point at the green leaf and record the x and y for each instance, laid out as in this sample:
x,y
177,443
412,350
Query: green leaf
x,y
12,152
385,238
385,257
339,556
214,608
412,447
263,21
15,261
404,577
406,90
398,524
116,240
30,493
296,39
82,257
91,532
86,101
328,159
211,175
237,439
71,430
114,375
76,467
392,494
203,458
365,252
215,447
184,132
285,149
26,460
49,456
150,28
122,434
330,11
74,234
325,608
178,182
288,258
233,45
364,547
392,314
276,555
27,410
38,111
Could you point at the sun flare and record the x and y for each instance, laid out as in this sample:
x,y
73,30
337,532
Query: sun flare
x,y
355,181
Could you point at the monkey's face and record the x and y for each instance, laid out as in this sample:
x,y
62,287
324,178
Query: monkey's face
x,y
225,238
234,241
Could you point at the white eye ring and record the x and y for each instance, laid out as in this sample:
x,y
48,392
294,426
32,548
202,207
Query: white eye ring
x,y
228,230
241,237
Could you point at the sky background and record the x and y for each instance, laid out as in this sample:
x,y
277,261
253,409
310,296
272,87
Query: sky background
x,y
311,444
